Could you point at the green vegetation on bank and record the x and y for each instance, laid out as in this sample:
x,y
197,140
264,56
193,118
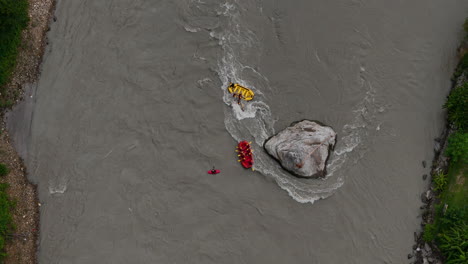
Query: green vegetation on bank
x,y
4,170
457,105
6,221
450,227
462,67
13,19
463,64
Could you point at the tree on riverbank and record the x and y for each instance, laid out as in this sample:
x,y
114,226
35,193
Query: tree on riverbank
x,y
13,19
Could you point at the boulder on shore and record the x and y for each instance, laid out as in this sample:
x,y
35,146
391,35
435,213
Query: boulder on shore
x,y
303,148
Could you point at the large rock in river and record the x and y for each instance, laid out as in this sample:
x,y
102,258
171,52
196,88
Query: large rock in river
x,y
303,148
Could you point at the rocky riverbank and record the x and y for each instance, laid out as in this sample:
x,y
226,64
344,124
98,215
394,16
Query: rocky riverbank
x,y
22,247
427,252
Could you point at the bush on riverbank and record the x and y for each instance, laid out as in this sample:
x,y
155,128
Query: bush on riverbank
x,y
457,148
440,181
462,67
457,106
450,227
6,221
13,19
3,170
453,244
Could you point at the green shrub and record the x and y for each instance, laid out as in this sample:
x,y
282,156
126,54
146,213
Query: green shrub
x,y
6,221
463,64
429,232
461,67
451,233
452,216
457,148
13,19
440,181
457,107
4,170
453,243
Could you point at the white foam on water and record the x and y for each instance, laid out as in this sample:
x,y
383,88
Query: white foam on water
x,y
59,189
191,29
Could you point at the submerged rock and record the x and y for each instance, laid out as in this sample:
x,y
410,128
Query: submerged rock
x,y
303,148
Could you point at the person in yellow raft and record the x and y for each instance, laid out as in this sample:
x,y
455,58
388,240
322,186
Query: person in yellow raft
x,y
240,92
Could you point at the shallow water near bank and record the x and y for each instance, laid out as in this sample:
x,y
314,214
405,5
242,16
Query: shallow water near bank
x,y
131,111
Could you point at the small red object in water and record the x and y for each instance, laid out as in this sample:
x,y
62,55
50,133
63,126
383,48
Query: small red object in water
x,y
214,171
245,154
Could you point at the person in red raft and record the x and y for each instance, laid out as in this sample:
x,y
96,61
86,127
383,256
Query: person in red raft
x,y
245,154
247,162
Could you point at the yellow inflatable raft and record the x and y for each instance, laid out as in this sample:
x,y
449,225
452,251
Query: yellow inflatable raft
x,y
237,89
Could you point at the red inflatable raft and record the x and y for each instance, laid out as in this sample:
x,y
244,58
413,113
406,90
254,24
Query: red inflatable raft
x,y
245,154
